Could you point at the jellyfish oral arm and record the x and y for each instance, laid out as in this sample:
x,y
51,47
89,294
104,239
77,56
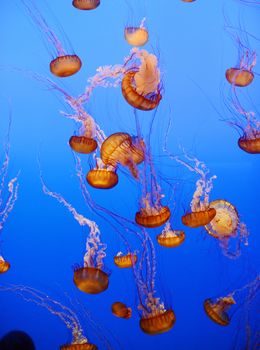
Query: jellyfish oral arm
x,y
13,194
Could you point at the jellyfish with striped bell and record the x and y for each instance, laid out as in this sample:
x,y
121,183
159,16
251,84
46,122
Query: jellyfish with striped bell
x,y
122,148
170,238
141,83
64,64
226,227
137,36
4,265
125,261
219,309
64,313
91,277
201,212
121,310
86,4
102,176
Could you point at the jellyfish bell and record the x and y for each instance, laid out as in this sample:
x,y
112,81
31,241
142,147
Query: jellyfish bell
x,y
198,218
136,36
225,222
217,310
121,310
4,265
86,4
159,323
239,77
65,66
91,280
102,178
170,238
83,144
125,261
84,346
152,218
250,145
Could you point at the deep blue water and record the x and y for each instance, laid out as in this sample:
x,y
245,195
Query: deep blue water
x,y
43,241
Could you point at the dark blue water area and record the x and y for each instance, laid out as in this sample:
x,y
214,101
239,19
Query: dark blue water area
x,y
43,241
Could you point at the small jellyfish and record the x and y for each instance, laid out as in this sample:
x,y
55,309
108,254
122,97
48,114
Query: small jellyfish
x,y
121,310
226,226
141,84
82,144
89,278
4,265
102,176
64,313
122,148
201,212
170,238
64,64
86,4
151,216
125,261
137,36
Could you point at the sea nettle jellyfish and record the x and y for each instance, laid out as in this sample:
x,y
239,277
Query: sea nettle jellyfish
x,y
201,212
91,277
102,176
124,261
226,227
137,36
121,310
170,238
219,310
86,4
8,196
64,313
63,64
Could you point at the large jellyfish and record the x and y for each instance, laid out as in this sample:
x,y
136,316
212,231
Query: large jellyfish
x,y
64,64
91,278
219,309
226,226
55,307
8,197
201,211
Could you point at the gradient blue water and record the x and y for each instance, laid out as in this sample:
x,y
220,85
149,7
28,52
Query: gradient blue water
x,y
42,240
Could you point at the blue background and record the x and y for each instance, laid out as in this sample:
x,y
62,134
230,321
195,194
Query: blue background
x,y
42,240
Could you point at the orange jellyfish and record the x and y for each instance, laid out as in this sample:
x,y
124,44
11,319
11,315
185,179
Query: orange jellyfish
x,y
226,226
64,64
188,0
89,278
141,84
137,36
201,212
4,265
218,310
242,74
64,313
124,149
125,261
85,143
86,4
121,310
170,238
102,176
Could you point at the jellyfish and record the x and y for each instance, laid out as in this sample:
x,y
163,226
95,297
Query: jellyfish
x,y
141,85
219,309
137,36
64,64
201,212
8,196
246,122
86,4
91,277
102,176
122,148
125,261
226,226
55,307
170,238
188,0
241,74
121,310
